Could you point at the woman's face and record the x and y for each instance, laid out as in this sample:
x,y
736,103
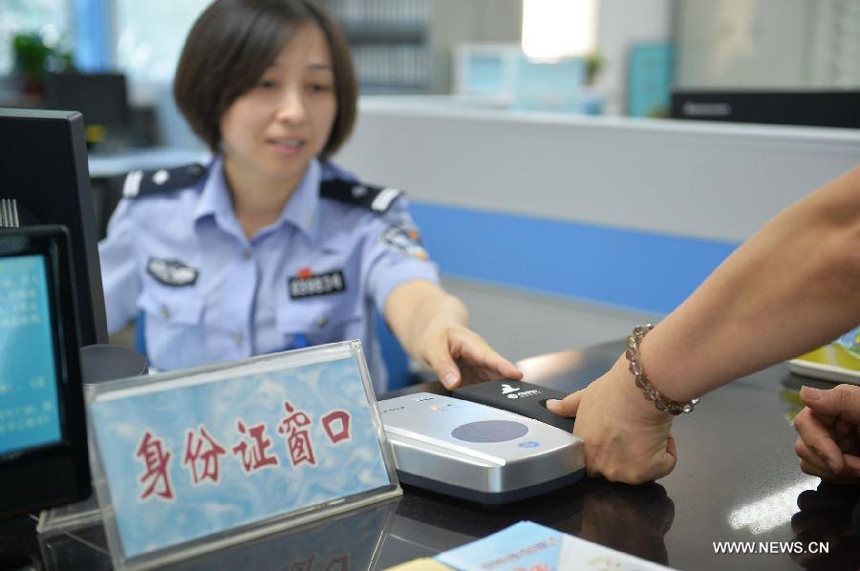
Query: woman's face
x,y
276,127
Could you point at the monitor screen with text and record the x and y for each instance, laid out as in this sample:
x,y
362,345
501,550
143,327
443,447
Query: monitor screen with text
x,y
29,408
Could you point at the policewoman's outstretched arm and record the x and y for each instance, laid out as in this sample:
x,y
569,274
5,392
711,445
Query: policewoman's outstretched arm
x,y
791,287
433,328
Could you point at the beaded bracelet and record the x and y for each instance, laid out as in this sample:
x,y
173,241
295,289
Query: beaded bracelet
x,y
642,381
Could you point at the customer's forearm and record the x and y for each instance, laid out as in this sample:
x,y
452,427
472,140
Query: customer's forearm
x,y
793,286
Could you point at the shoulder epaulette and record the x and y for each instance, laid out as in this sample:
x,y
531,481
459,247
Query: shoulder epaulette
x,y
376,198
143,183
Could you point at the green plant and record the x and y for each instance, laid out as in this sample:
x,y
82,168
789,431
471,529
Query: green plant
x,y
593,65
30,54
32,57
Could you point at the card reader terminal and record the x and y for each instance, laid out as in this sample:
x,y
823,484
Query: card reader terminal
x,y
520,397
475,452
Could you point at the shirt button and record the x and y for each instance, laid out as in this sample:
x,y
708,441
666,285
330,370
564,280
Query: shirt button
x,y
247,254
237,339
165,313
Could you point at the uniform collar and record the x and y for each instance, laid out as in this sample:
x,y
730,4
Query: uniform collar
x,y
215,198
301,211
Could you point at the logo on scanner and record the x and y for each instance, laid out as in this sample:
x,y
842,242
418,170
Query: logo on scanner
x,y
513,393
506,389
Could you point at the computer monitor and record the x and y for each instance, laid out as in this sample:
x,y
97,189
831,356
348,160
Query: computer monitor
x,y
43,165
43,443
811,107
101,98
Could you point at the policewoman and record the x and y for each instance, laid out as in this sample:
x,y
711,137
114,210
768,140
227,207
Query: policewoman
x,y
271,246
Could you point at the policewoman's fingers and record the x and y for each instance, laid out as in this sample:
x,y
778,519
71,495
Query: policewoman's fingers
x,y
438,357
567,406
470,346
492,361
505,368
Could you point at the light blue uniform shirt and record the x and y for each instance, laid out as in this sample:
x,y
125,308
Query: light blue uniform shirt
x,y
227,297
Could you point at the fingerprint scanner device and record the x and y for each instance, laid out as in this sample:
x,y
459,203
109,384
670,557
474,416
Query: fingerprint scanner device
x,y
43,440
476,452
520,397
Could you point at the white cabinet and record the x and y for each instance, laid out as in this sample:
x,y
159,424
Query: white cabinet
x,y
406,46
785,44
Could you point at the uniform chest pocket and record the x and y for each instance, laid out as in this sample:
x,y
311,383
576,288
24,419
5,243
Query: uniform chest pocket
x,y
319,324
173,307
174,332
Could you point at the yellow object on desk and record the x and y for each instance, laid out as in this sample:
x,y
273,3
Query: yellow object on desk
x,y
838,361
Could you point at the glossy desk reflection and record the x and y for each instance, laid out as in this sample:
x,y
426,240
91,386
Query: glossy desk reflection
x,y
737,480
349,541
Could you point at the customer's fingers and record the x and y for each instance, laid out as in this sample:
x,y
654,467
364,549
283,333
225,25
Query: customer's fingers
x,y
811,459
827,476
843,401
567,406
817,437
852,464
662,468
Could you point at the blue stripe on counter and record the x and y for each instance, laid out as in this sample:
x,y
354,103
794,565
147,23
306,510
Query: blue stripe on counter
x,y
634,269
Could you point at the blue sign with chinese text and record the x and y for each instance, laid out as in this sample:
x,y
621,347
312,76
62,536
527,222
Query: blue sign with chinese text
x,y
185,460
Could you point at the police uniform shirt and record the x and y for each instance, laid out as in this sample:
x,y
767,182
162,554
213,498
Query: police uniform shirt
x,y
210,294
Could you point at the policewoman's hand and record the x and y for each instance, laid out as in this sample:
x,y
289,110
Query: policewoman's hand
x,y
460,357
432,327
626,438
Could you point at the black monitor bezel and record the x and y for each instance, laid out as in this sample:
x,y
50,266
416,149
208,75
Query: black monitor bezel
x,y
70,205
55,473
101,97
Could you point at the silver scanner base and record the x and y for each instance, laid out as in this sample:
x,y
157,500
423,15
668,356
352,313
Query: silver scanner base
x,y
476,452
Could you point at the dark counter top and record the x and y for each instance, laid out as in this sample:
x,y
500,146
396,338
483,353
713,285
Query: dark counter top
x,y
737,480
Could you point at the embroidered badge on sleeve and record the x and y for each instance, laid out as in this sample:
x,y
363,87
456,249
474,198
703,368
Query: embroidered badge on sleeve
x,y
406,241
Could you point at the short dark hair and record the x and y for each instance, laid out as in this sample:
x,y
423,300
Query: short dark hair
x,y
231,45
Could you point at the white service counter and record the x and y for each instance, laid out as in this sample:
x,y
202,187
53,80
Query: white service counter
x,y
710,180
585,195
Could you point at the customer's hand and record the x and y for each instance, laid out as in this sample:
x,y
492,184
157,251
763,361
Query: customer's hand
x,y
626,438
460,357
829,429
